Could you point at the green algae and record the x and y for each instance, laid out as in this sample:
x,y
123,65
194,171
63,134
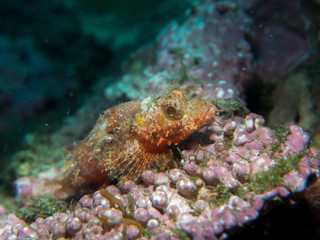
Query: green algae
x,y
257,183
131,204
44,206
150,233
40,154
268,180
223,193
228,139
230,107
252,183
204,159
281,133
180,233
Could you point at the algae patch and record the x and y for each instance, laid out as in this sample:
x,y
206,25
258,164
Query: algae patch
x,y
44,206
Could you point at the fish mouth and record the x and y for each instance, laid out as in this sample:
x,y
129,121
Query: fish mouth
x,y
211,112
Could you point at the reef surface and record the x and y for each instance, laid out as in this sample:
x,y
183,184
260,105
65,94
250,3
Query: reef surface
x,y
218,169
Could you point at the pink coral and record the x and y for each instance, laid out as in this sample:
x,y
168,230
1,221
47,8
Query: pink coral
x,y
209,48
215,193
218,186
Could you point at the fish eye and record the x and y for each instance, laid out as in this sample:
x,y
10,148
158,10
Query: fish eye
x,y
171,111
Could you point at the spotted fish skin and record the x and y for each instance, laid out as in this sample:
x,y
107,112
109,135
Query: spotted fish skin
x,y
135,136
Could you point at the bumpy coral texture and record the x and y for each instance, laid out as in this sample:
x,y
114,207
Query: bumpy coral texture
x,y
224,181
132,137
209,48
219,187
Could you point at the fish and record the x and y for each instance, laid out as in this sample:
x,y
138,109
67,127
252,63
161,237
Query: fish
x,y
135,136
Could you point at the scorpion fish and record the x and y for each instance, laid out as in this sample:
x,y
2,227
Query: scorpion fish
x,y
133,137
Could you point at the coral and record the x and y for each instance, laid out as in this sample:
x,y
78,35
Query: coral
x,y
225,174
219,187
229,49
226,53
209,48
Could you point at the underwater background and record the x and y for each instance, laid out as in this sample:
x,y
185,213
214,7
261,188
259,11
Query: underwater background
x,y
63,63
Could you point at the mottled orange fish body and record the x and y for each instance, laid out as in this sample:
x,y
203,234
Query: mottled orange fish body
x,y
135,136
171,118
